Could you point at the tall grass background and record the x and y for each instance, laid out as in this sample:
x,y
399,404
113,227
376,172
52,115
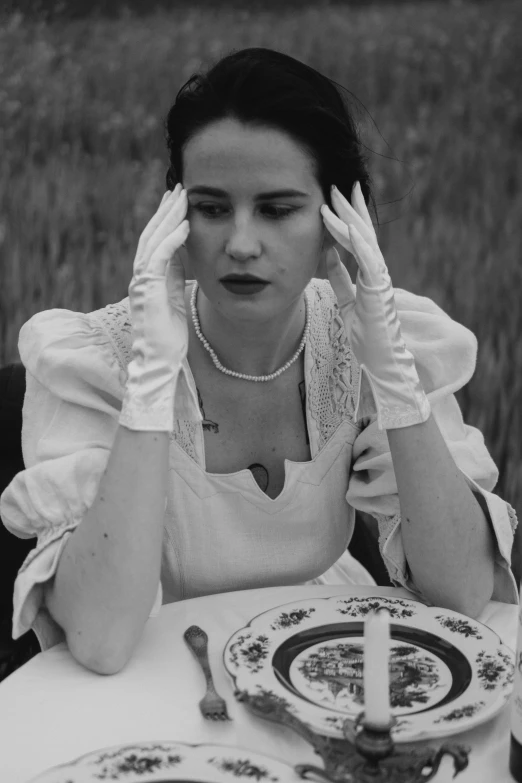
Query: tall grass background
x,y
82,103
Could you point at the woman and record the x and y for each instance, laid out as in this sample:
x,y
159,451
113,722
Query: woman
x,y
225,440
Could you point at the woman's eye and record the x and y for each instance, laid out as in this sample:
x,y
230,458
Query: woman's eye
x,y
207,209
272,212
278,212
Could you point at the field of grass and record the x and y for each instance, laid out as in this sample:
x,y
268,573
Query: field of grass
x,y
82,166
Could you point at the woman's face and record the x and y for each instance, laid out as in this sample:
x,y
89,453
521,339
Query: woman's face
x,y
253,209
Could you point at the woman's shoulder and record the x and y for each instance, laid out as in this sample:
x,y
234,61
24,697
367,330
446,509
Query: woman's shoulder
x,y
61,348
419,314
445,351
405,300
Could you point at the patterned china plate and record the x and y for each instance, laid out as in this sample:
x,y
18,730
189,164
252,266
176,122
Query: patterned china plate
x,y
448,673
170,762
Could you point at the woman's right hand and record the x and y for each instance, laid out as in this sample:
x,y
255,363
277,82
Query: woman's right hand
x,y
160,332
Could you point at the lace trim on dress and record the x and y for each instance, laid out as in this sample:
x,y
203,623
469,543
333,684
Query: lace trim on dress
x,y
334,377
513,520
395,416
184,434
116,322
387,525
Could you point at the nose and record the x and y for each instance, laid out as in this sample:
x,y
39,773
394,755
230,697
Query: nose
x,y
243,242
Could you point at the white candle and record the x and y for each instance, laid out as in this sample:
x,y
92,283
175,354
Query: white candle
x,y
376,668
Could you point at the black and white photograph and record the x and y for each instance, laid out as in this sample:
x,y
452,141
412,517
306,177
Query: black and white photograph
x,y
260,391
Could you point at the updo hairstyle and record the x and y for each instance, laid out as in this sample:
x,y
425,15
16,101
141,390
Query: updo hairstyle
x,y
265,88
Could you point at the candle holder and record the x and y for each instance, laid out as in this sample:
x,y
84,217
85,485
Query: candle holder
x,y
367,754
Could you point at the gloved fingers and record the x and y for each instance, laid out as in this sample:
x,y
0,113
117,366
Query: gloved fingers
x,y
166,196
337,228
359,204
343,288
369,258
351,217
171,220
158,216
166,249
365,259
169,199
372,266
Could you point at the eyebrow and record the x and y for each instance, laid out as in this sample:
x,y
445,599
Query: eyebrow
x,y
206,190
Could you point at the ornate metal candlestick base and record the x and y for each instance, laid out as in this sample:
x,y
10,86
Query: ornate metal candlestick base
x,y
366,755
372,743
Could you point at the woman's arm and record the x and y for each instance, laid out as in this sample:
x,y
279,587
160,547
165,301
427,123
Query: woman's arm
x,y
109,570
446,536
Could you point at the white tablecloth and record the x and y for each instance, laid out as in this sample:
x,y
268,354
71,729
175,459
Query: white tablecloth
x,y
53,710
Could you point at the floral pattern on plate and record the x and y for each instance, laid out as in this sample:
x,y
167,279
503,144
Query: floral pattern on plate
x,y
448,672
494,669
459,626
169,761
250,651
360,607
287,619
462,712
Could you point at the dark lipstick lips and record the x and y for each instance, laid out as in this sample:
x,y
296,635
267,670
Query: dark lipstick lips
x,y
242,279
243,285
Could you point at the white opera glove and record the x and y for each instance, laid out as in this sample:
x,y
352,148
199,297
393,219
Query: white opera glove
x,y
389,386
159,324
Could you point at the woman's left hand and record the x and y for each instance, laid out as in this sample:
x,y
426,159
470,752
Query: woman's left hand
x,y
393,391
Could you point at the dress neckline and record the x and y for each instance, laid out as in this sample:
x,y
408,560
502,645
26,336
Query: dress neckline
x,y
244,479
246,471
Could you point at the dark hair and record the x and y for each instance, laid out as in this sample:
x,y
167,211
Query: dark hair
x,y
263,87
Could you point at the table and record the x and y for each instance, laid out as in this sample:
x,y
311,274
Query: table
x,y
52,709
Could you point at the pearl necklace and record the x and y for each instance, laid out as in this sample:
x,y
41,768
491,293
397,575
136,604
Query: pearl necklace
x,y
243,376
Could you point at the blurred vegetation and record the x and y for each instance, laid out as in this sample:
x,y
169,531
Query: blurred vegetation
x,y
76,9
82,102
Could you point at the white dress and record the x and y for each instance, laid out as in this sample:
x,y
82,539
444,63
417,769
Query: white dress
x,y
221,531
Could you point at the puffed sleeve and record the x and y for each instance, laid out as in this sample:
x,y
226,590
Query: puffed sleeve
x,y
445,355
74,392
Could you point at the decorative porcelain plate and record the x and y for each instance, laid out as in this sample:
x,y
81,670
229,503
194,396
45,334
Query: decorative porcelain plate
x,y
448,673
171,762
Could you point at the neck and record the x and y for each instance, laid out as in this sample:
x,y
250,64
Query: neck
x,y
252,347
